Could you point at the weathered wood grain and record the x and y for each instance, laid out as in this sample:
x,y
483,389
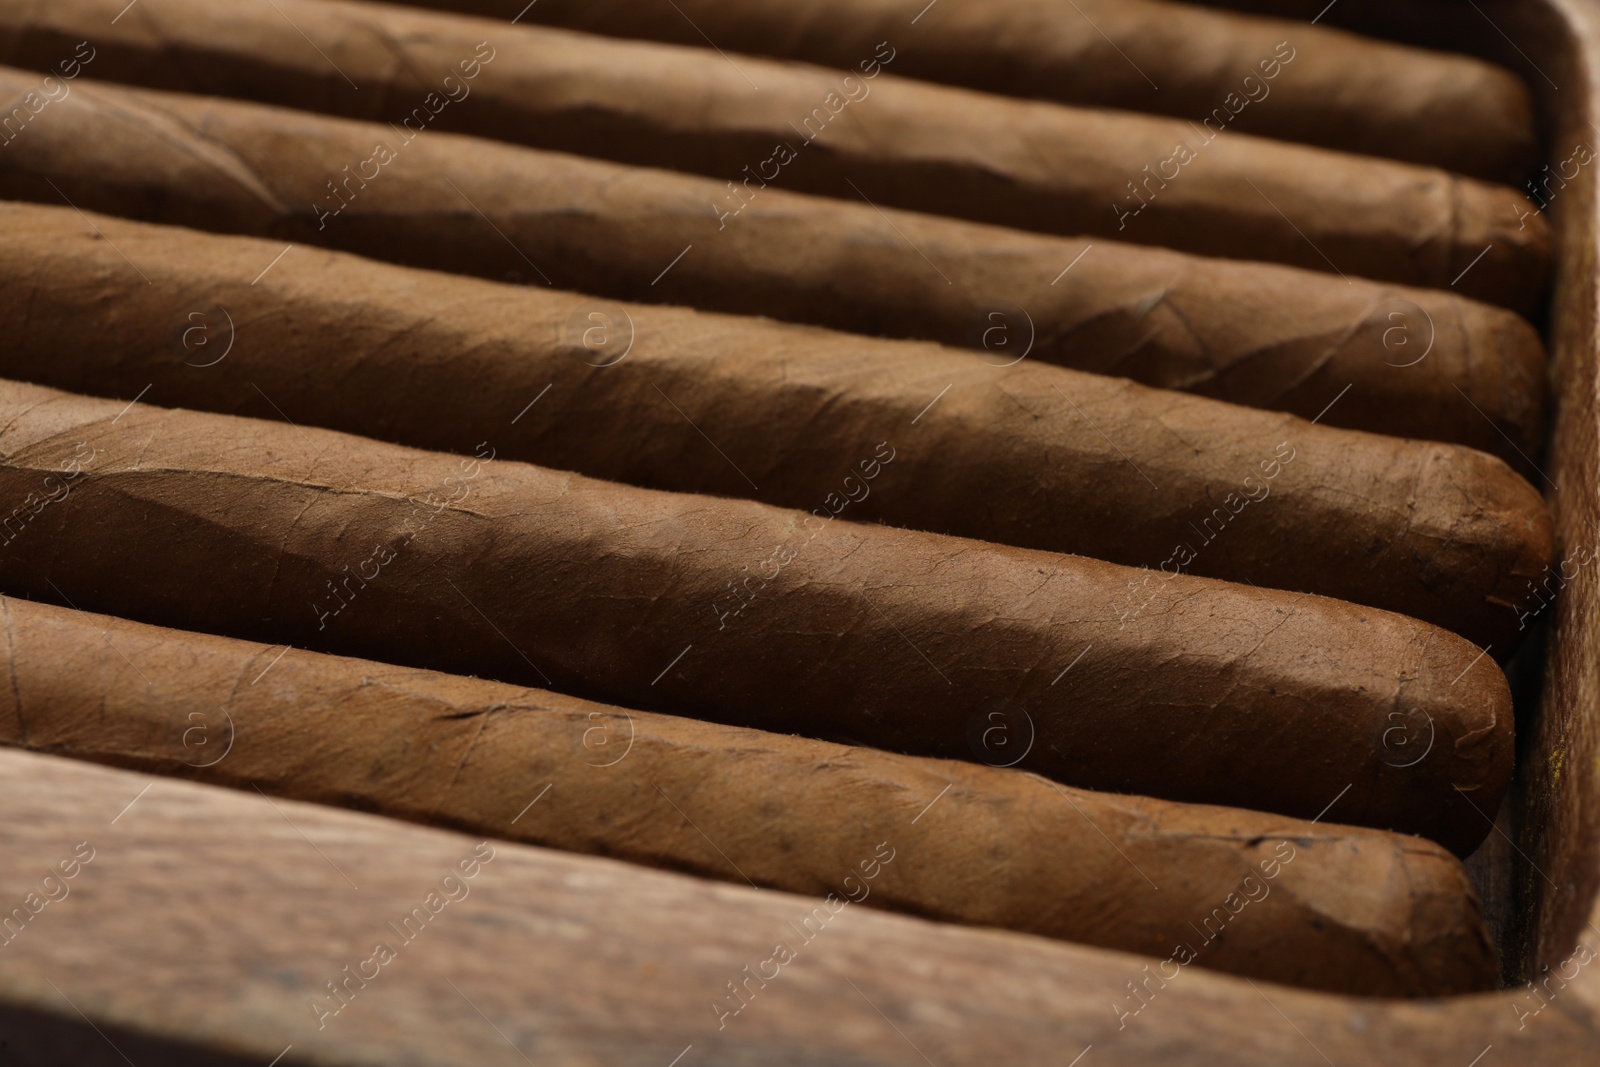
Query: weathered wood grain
x,y
213,919
1320,906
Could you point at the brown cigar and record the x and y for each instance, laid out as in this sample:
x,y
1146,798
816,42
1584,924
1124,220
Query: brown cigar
x,y
1418,363
751,615
880,138
1266,77
1062,461
579,959
1336,908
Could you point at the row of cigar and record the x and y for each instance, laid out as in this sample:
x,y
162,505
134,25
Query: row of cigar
x,y
1250,590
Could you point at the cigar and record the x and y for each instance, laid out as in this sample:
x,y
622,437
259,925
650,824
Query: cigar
x,y
578,958
1326,88
1401,918
1417,362
694,402
883,139
1199,691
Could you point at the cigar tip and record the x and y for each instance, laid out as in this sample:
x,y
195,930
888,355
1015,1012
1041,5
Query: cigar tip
x,y
1435,942
1374,913
1523,365
1502,246
1483,536
1451,737
1502,370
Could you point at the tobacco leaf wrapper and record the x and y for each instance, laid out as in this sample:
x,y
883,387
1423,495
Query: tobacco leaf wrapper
x,y
672,399
1337,908
888,140
1335,90
1210,692
1418,363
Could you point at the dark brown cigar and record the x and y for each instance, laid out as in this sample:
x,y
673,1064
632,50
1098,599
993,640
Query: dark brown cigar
x,y
1418,363
884,139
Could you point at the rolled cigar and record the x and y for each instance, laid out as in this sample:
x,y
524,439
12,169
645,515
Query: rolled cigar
x,y
885,140
584,960
672,399
1419,363
1334,908
1327,88
1487,29
900,639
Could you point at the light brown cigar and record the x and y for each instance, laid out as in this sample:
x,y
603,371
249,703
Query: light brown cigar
x,y
1342,909
1267,77
888,140
1250,333
1059,460
750,615
587,961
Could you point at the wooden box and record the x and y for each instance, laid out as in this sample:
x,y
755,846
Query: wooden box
x,y
198,925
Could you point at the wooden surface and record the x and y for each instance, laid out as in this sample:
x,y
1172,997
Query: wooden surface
x,y
1555,810
208,919
1554,820
1333,908
212,918
1559,780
